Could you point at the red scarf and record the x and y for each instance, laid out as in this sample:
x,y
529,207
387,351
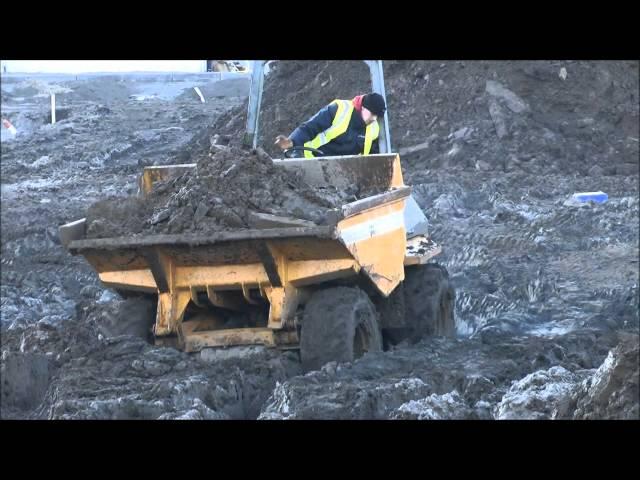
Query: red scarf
x,y
357,103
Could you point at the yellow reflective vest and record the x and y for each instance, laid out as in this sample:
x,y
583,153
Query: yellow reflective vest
x,y
340,125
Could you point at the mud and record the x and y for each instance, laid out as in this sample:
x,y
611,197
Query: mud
x,y
102,366
546,293
25,378
51,174
227,187
439,379
612,392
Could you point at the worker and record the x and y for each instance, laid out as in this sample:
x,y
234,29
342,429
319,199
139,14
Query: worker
x,y
344,127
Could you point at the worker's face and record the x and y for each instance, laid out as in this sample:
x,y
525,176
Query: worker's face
x,y
368,117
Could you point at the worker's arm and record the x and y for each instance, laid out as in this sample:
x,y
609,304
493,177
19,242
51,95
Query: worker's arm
x,y
320,122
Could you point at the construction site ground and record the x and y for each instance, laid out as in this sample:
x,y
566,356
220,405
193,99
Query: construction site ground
x,y
546,290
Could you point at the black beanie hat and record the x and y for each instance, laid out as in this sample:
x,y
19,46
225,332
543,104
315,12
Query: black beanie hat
x,y
374,103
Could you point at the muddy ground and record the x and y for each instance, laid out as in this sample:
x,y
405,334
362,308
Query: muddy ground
x,y
547,292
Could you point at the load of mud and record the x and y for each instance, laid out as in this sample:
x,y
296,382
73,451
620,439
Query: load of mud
x,y
225,192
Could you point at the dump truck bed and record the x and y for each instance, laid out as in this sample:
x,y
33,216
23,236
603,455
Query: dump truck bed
x,y
374,221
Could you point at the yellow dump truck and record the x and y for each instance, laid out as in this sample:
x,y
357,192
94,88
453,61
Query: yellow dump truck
x,y
333,291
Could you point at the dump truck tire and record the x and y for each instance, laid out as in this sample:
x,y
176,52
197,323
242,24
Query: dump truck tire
x,y
429,301
339,324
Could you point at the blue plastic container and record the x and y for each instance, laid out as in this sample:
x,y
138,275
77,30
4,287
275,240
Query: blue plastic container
x,y
598,197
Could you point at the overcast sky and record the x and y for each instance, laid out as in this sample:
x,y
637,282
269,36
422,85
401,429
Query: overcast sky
x,y
87,66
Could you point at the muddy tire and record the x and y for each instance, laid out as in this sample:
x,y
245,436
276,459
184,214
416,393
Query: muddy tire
x,y
429,302
339,324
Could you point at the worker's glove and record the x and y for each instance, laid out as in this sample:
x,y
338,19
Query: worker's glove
x,y
283,142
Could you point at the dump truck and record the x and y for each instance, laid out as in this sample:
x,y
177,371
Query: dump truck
x,y
334,291
359,283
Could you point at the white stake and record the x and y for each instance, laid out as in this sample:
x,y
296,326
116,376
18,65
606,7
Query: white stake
x,y
199,94
53,108
8,126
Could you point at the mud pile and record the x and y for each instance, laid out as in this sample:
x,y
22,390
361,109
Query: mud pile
x,y
227,188
572,117
575,117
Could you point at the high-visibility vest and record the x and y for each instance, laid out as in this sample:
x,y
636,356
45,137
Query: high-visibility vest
x,y
339,126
